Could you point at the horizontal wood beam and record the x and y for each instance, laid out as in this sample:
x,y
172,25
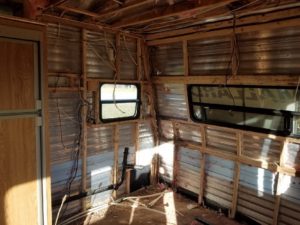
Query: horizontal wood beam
x,y
240,21
108,15
225,32
272,80
153,17
84,25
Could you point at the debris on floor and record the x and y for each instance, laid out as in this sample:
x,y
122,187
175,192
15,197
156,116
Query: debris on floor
x,y
156,206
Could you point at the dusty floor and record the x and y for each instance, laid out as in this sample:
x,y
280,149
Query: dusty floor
x,y
174,209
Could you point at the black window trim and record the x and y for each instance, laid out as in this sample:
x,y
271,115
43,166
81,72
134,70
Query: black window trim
x,y
287,115
137,101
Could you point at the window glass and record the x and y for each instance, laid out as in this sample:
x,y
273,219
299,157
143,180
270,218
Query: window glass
x,y
225,116
221,95
280,99
118,110
119,102
269,122
266,108
119,91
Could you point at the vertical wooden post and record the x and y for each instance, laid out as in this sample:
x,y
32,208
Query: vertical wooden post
x,y
186,73
96,103
152,102
279,183
185,57
116,156
84,116
175,157
139,60
118,56
202,165
236,178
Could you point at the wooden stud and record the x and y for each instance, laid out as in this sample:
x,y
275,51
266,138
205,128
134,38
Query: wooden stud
x,y
84,124
139,60
118,56
185,57
236,178
176,152
202,165
279,182
116,134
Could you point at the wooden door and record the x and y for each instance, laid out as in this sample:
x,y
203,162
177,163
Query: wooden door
x,y
19,158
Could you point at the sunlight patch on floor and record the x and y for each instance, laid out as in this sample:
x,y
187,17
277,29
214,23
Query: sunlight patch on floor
x,y
170,208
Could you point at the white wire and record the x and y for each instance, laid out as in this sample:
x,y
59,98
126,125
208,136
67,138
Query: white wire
x,y
61,205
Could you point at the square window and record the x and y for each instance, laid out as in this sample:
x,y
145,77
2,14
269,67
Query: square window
x,y
119,102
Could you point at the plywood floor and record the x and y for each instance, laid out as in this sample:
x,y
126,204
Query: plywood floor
x,y
175,209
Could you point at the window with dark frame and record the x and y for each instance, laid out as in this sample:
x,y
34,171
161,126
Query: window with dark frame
x,y
119,102
263,109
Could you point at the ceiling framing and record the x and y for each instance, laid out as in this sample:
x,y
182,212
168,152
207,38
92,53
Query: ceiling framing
x,y
157,19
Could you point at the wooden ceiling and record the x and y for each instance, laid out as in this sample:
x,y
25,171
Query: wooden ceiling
x,y
161,18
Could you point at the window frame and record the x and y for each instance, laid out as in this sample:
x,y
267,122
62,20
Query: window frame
x,y
137,101
285,114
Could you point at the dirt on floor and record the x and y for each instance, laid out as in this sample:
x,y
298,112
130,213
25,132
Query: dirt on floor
x,y
168,208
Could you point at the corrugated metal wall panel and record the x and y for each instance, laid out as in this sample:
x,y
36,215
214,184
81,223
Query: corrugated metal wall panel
x,y
100,163
145,153
256,194
167,60
292,157
189,133
166,159
100,56
221,139
64,49
260,148
128,58
210,56
219,180
270,52
63,132
171,101
188,169
289,212
126,139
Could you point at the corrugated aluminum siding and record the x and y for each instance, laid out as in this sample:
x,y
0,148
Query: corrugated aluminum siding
x,y
64,49
256,194
100,58
292,157
260,148
188,169
210,56
145,153
63,131
270,52
165,152
171,100
189,133
126,139
100,163
167,60
219,180
289,212
221,139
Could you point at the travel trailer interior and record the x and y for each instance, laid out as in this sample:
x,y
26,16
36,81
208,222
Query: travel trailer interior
x,y
163,112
